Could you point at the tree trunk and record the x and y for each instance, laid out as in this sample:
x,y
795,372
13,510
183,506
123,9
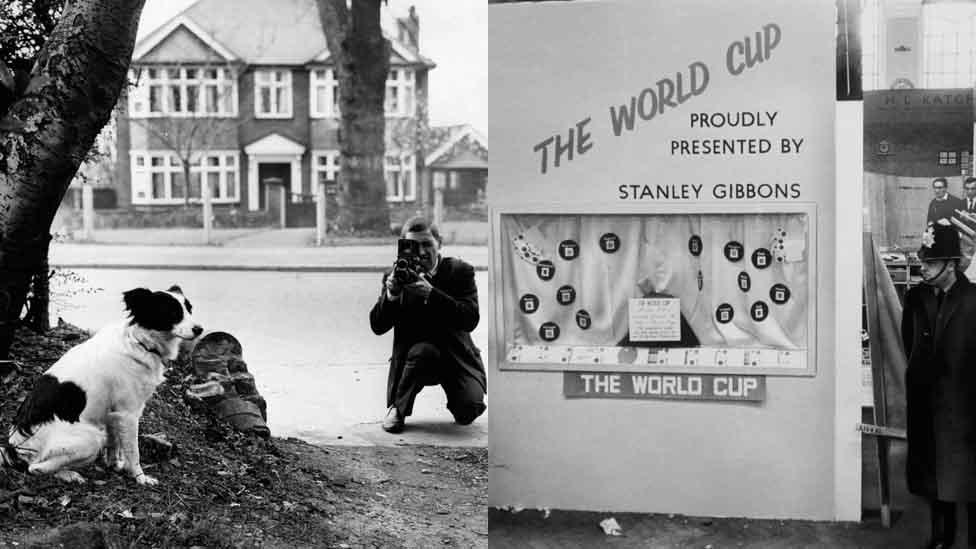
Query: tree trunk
x,y
74,85
361,57
40,303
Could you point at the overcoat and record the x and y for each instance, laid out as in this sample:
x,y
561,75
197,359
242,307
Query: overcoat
x,y
446,320
940,383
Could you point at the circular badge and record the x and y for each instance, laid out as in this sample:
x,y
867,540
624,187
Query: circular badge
x,y
549,331
734,251
609,243
529,303
759,311
545,269
724,313
583,320
695,245
779,293
745,283
761,258
568,250
627,355
566,295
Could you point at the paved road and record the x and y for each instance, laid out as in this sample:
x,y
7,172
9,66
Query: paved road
x,y
305,335
282,258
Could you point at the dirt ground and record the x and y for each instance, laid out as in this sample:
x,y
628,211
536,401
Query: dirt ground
x,y
222,489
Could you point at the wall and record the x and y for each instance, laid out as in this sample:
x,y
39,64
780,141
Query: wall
x,y
558,67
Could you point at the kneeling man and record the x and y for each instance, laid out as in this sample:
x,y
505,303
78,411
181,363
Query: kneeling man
x,y
432,316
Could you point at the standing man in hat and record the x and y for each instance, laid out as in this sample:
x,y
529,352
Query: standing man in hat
x,y
940,382
432,317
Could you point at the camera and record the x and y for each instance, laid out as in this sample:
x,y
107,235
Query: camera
x,y
408,267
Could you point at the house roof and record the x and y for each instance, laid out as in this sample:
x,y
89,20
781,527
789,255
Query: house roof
x,y
446,138
258,32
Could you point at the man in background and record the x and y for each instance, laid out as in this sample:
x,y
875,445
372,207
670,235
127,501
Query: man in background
x,y
969,185
944,205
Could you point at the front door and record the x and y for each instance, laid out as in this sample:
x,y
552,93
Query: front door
x,y
272,176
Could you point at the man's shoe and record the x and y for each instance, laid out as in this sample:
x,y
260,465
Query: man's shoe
x,y
393,423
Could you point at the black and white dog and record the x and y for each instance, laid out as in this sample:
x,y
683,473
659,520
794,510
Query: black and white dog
x,y
92,398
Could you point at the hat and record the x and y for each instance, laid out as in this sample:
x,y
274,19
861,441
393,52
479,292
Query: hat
x,y
940,241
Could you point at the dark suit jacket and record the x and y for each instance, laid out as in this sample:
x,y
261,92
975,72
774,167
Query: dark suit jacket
x,y
940,384
939,209
966,207
446,320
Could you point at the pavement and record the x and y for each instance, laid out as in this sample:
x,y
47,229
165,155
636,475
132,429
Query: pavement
x,y
336,401
236,249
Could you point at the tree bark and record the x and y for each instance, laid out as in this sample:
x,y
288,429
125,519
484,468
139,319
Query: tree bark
x,y
361,59
73,87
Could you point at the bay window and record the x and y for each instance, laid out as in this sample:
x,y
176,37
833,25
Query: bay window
x,y
158,177
183,91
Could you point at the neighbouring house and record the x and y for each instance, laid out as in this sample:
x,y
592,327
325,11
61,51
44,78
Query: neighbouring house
x,y
457,168
245,90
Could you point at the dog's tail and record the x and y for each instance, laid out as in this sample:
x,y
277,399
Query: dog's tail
x,y
10,458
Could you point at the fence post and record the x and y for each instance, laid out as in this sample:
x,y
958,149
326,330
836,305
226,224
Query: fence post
x,y
439,185
320,213
207,209
87,212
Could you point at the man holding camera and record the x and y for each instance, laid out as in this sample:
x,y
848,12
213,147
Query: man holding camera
x,y
431,303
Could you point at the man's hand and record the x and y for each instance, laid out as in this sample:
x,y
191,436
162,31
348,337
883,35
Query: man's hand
x,y
420,288
393,288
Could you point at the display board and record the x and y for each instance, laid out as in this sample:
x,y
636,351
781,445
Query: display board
x,y
708,293
666,280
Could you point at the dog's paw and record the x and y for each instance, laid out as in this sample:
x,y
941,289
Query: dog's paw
x,y
70,476
146,480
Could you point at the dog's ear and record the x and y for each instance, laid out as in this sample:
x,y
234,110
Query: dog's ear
x,y
176,289
136,298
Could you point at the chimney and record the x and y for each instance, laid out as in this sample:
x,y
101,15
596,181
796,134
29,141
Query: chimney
x,y
408,30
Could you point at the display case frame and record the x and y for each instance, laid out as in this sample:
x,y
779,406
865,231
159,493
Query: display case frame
x,y
802,362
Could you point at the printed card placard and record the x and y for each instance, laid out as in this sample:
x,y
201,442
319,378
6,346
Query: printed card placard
x,y
655,319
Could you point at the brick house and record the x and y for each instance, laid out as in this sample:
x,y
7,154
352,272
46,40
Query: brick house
x,y
245,89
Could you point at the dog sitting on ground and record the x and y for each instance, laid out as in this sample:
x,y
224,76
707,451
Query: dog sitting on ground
x,y
92,398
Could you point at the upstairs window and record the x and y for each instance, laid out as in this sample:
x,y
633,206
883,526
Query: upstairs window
x,y
324,93
183,91
399,96
400,93
272,93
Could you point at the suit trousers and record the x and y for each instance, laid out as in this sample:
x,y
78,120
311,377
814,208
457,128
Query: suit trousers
x,y
424,368
944,521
